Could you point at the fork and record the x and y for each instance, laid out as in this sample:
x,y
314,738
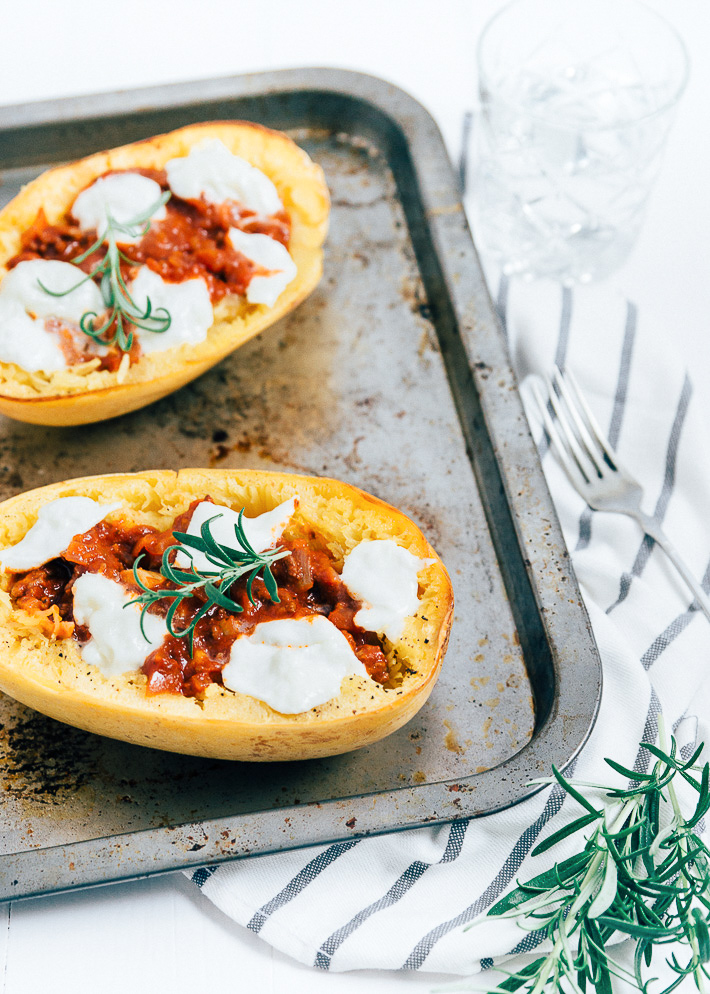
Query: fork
x,y
594,468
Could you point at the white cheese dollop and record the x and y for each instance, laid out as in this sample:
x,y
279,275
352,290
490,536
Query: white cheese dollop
x,y
291,665
262,532
383,576
124,196
189,306
117,643
22,284
211,171
56,525
270,254
26,342
24,305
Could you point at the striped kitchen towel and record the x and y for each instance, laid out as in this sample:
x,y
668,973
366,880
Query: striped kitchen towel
x,y
401,901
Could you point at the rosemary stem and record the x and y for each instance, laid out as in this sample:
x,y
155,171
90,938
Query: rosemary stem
x,y
226,566
683,912
547,968
120,306
587,886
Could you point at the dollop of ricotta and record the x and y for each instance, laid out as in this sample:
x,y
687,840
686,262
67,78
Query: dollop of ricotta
x,y
291,664
56,525
117,643
24,306
189,306
262,532
270,254
124,196
211,171
383,576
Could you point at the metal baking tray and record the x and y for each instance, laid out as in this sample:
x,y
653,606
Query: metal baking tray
x,y
393,376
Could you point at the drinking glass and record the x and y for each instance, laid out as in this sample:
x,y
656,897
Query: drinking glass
x,y
577,99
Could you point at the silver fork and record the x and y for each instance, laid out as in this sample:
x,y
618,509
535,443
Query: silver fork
x,y
594,468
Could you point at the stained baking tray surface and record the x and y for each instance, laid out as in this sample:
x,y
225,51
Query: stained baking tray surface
x,y
392,376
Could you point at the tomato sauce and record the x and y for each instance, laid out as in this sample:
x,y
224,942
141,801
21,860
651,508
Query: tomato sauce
x,y
308,584
191,241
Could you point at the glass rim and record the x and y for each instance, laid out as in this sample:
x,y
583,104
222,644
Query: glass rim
x,y
623,122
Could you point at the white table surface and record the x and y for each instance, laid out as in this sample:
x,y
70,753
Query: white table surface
x,y
161,934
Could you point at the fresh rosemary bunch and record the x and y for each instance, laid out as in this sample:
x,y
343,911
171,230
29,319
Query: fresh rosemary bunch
x,y
123,312
643,873
230,564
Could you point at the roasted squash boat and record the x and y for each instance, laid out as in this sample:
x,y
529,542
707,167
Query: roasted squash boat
x,y
226,613
125,275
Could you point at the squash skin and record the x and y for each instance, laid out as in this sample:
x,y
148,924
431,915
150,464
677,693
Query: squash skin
x,y
303,191
51,677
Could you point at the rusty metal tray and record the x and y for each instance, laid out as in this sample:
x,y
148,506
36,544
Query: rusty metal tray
x,y
393,376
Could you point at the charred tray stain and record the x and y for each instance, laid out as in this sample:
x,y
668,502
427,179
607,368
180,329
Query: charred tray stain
x,y
43,762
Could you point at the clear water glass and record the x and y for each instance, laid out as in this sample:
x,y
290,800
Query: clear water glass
x,y
577,99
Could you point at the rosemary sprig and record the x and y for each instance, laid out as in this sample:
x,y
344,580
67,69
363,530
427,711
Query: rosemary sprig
x,y
230,564
123,312
643,873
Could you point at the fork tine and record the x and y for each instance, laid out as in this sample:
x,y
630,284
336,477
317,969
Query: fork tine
x,y
576,476
585,465
592,422
593,450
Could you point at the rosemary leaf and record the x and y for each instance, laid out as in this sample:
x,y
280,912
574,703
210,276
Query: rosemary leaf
x,y
580,798
568,830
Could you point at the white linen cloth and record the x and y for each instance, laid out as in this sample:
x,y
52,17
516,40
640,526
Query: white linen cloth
x,y
401,901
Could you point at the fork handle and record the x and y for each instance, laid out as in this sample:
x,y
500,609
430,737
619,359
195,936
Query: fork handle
x,y
654,530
